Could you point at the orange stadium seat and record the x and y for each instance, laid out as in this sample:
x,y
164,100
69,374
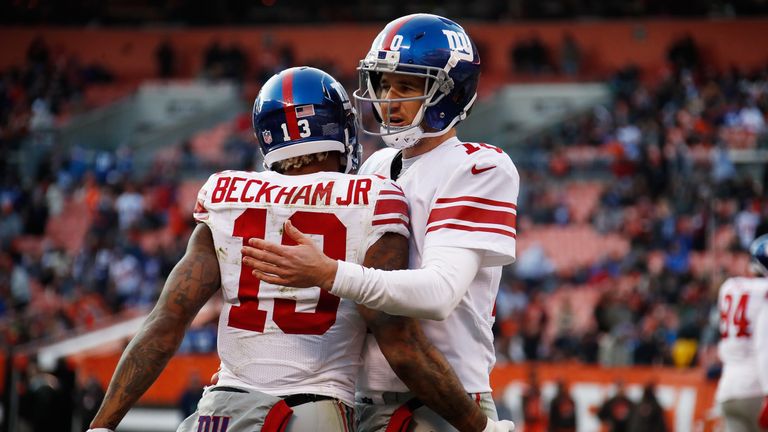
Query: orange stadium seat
x,y
737,137
186,196
69,228
209,144
582,198
573,246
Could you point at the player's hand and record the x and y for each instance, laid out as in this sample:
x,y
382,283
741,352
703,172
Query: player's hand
x,y
499,426
300,266
762,419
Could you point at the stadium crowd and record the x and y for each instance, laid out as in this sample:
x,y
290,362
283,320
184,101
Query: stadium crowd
x,y
667,186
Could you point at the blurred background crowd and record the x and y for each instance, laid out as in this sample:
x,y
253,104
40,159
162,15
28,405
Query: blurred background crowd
x,y
631,214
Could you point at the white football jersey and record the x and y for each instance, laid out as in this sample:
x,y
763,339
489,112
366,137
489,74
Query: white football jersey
x,y
460,195
743,310
282,340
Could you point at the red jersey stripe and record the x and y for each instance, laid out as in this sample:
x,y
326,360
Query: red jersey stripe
x,y
199,207
391,192
289,108
471,228
477,200
400,419
385,206
473,214
390,221
343,416
396,26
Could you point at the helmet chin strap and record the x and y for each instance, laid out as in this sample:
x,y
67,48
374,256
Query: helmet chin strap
x,y
403,139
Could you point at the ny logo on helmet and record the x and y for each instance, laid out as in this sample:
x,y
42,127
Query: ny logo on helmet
x,y
460,44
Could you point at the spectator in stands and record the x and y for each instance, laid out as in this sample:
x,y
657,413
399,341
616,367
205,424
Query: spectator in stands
x,y
189,161
746,222
649,346
530,56
213,61
35,213
562,410
616,410
11,225
130,206
125,274
533,324
570,56
66,377
191,396
235,62
89,396
40,404
38,53
165,57
534,418
647,414
565,345
683,54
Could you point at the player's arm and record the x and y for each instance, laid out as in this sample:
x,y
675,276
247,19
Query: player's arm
x,y
460,239
193,280
413,358
431,292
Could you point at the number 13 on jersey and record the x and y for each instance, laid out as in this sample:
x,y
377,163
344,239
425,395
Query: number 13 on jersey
x,y
248,315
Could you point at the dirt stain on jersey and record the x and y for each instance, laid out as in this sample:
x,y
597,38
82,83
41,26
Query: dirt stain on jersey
x,y
221,252
288,292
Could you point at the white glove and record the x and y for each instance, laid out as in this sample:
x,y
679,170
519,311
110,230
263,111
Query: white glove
x,y
99,430
499,426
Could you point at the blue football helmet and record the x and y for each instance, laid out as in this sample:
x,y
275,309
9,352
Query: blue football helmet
x,y
428,46
303,110
759,253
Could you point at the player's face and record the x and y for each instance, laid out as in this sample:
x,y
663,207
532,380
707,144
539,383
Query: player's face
x,y
396,86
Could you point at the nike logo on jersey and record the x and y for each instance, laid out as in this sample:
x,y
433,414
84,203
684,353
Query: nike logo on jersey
x,y
476,170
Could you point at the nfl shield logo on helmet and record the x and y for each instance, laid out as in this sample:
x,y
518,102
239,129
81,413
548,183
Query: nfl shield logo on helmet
x,y
267,135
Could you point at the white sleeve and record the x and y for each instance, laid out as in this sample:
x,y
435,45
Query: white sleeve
x,y
761,345
431,292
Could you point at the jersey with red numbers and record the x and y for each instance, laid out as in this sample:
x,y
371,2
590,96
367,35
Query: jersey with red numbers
x,y
281,340
743,308
461,195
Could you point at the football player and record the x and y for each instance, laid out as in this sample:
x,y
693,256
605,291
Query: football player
x,y
289,358
419,80
743,388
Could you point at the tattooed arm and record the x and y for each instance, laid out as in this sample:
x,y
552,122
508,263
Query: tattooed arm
x,y
193,280
413,358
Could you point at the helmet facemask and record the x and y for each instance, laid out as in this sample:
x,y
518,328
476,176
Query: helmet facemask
x,y
437,85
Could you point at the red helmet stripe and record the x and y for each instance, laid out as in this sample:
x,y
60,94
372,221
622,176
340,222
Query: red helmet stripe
x,y
387,45
289,108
